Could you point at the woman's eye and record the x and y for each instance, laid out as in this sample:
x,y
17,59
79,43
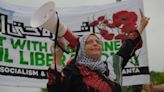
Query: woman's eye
x,y
92,42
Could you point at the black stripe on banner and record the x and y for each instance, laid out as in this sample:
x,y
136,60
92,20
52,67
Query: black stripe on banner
x,y
23,72
135,71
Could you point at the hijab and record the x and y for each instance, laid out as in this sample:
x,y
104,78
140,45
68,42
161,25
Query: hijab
x,y
86,60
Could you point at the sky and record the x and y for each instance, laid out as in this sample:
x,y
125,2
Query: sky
x,y
154,30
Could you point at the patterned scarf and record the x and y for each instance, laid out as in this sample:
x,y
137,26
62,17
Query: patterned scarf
x,y
86,60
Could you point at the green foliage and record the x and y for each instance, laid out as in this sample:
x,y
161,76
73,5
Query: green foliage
x,y
44,90
157,77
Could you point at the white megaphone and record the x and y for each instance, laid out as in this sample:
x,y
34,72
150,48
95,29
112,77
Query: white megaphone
x,y
47,18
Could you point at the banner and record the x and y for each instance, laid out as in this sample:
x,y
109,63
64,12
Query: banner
x,y
25,51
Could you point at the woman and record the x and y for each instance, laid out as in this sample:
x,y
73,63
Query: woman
x,y
87,73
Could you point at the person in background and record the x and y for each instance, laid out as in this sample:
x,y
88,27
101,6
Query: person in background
x,y
86,72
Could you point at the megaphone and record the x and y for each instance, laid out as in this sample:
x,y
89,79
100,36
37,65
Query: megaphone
x,y
46,17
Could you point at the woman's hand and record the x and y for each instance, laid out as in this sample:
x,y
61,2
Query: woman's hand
x,y
57,54
143,23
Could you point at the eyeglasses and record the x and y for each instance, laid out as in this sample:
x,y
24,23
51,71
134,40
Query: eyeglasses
x,y
92,42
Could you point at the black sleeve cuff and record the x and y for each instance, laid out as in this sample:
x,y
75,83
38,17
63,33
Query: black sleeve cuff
x,y
129,47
